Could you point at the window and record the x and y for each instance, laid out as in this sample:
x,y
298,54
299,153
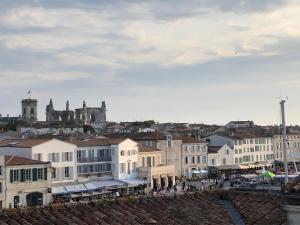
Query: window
x,y
67,172
38,156
153,161
0,187
28,175
204,159
236,160
227,152
122,168
67,157
148,161
186,149
134,166
122,152
193,159
213,162
224,161
186,160
198,148
236,151
53,157
0,170
54,172
39,173
16,176
199,159
128,168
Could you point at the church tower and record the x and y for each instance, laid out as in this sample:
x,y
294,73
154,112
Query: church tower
x,y
29,109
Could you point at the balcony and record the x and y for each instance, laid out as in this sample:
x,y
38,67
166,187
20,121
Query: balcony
x,y
94,159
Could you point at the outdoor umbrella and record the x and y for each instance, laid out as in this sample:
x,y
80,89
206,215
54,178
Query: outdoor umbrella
x,y
268,174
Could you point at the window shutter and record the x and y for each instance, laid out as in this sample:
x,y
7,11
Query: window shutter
x,y
22,175
34,174
11,176
63,156
45,173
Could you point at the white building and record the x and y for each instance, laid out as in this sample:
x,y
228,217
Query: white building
x,y
293,146
24,182
194,156
248,147
106,158
61,154
220,156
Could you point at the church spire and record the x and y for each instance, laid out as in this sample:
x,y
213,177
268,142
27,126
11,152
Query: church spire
x,y
67,105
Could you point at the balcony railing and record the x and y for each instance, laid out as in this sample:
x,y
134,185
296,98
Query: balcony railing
x,y
94,159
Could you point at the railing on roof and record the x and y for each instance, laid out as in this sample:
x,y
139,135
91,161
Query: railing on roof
x,y
94,159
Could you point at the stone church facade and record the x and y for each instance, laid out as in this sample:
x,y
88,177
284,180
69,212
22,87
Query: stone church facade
x,y
94,116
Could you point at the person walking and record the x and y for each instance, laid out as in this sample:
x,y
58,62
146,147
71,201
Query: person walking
x,y
183,185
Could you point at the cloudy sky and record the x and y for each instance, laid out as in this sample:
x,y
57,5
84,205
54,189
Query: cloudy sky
x,y
174,60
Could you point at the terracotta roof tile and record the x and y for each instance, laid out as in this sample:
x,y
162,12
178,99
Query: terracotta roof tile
x,y
18,161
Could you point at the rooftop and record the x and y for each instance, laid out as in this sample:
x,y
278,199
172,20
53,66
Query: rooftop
x,y
18,161
148,149
23,143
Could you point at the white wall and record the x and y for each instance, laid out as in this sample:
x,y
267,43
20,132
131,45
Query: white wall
x,y
220,155
127,146
57,146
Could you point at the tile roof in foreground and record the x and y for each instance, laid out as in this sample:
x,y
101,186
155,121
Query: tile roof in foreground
x,y
190,209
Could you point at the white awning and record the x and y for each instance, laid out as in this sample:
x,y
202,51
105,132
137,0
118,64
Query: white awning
x,y
107,183
59,190
75,188
90,186
134,182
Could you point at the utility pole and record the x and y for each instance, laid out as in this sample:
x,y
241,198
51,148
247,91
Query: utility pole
x,y
284,139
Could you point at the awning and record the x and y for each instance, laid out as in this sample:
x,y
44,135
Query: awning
x,y
107,183
59,190
90,186
134,182
75,196
75,188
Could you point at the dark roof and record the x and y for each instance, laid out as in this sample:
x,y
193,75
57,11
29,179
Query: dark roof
x,y
243,134
18,161
148,149
142,136
183,210
213,149
23,143
260,208
97,142
190,140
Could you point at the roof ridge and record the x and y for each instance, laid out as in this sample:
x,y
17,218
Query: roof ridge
x,y
11,157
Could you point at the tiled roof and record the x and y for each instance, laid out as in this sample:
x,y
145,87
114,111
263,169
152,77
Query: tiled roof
x,y
213,149
182,210
294,186
190,140
148,149
260,208
144,136
23,143
18,161
97,142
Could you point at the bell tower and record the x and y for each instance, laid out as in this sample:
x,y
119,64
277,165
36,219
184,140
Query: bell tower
x,y
29,109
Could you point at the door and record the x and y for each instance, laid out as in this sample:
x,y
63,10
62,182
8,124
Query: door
x,y
16,201
34,199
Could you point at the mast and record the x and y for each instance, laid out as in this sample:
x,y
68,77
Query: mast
x,y
284,142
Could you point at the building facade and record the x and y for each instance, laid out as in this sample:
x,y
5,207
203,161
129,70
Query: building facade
x,y
194,156
61,154
220,156
27,182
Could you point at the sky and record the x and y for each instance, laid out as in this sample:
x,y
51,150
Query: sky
x,y
202,61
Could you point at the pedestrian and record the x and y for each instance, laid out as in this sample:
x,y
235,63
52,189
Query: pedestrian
x,y
183,185
175,188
